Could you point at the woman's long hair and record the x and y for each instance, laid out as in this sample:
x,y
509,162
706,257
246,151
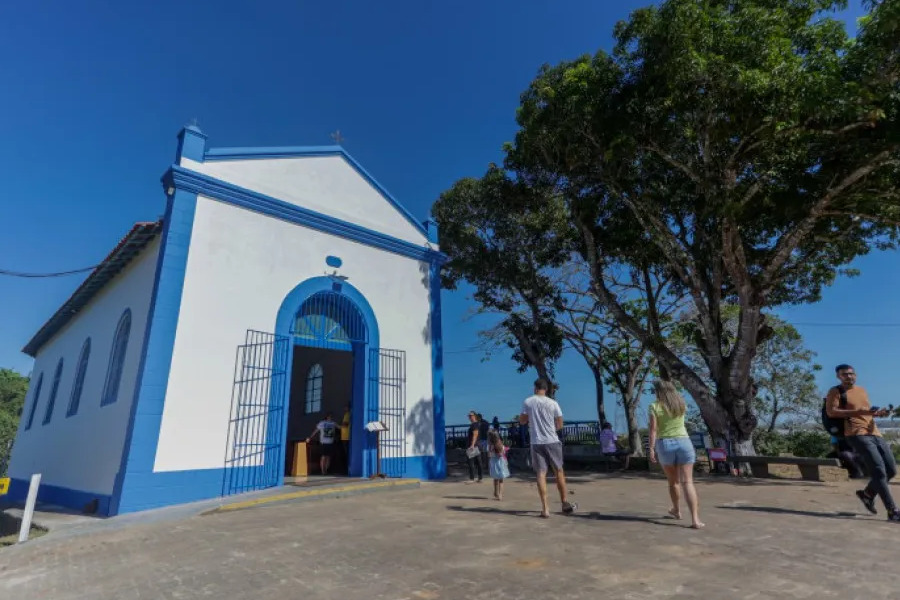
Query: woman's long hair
x,y
669,398
495,443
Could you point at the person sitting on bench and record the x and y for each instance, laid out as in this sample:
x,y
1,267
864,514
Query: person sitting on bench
x,y
608,446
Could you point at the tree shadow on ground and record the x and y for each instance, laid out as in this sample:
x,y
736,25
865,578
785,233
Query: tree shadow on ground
x,y
698,478
775,510
466,497
594,516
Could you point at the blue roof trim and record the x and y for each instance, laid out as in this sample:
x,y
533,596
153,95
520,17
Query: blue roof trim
x,y
214,154
125,251
198,183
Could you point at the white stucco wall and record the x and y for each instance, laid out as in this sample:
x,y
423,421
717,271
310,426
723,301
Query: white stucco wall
x,y
241,266
83,452
325,184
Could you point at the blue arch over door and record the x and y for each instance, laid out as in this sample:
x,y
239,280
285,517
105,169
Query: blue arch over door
x,y
362,463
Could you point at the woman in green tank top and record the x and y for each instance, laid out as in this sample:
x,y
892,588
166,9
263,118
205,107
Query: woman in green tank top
x,y
671,446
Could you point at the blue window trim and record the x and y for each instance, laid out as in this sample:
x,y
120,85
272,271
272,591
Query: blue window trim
x,y
54,389
217,154
34,401
78,382
311,377
117,359
192,182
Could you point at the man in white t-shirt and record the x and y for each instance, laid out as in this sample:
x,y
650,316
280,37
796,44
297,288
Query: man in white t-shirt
x,y
544,418
327,431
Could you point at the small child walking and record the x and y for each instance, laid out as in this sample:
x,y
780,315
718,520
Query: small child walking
x,y
499,467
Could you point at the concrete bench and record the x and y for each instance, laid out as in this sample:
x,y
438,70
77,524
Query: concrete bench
x,y
809,467
588,455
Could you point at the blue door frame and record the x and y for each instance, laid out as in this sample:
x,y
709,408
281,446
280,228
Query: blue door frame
x,y
364,400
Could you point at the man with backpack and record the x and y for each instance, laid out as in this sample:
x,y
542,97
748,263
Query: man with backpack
x,y
850,403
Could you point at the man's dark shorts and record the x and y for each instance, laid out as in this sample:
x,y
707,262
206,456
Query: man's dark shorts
x,y
328,450
546,457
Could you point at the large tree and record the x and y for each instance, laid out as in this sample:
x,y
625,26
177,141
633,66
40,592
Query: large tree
x,y
507,257
749,148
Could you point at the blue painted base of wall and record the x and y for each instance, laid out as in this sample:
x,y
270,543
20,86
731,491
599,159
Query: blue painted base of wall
x,y
156,490
419,467
60,496
143,491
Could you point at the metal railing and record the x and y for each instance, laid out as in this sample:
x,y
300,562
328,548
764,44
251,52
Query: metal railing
x,y
518,436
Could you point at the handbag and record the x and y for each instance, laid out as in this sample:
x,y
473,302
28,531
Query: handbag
x,y
472,452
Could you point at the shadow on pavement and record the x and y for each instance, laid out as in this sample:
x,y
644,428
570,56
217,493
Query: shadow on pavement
x,y
594,516
496,511
466,497
789,511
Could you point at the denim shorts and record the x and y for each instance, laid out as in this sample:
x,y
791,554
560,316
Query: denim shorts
x,y
675,451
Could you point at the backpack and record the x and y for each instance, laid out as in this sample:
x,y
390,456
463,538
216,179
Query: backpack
x,y
833,425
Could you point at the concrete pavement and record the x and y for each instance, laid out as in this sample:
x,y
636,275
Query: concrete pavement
x,y
764,539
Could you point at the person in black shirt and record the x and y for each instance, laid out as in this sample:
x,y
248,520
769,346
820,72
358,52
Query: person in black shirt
x,y
483,429
472,451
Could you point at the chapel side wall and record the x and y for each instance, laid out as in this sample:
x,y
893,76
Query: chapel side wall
x,y
83,452
240,267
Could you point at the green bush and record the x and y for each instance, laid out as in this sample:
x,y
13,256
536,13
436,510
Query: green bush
x,y
804,442
815,444
769,443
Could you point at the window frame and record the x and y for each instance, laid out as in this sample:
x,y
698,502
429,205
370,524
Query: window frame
x,y
34,401
313,404
116,365
80,374
54,390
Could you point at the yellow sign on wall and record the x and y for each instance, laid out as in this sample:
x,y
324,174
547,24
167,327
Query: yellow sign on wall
x,y
4,485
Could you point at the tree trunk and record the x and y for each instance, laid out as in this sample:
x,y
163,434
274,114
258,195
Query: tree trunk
x,y
634,432
598,386
771,427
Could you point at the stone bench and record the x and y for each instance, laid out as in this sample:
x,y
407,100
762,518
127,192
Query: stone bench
x,y
590,454
809,467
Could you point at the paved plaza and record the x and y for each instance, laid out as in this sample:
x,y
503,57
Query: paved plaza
x,y
448,540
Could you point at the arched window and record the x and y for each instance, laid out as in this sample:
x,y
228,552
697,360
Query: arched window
x,y
48,414
314,389
78,385
116,360
34,401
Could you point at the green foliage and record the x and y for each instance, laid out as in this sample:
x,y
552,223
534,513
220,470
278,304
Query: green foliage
x,y
769,443
750,150
802,442
808,442
505,255
13,388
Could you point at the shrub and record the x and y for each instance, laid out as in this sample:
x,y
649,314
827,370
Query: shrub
x,y
769,443
812,443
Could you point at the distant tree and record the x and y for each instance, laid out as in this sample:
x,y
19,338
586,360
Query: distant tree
x,y
13,388
784,371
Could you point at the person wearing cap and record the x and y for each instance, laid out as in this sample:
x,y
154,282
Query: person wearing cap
x,y
473,457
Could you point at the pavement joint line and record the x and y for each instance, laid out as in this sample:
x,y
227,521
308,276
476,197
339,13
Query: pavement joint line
x,y
325,491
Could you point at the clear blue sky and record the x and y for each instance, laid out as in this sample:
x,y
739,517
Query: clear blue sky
x,y
423,92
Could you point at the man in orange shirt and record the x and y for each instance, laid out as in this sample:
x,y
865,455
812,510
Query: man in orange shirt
x,y
850,402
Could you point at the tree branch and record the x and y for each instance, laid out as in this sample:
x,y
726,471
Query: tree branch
x,y
790,240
